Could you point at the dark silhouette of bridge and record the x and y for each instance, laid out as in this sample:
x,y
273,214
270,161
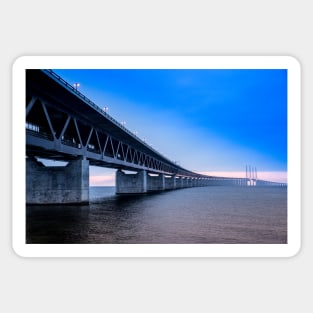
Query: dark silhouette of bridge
x,y
62,124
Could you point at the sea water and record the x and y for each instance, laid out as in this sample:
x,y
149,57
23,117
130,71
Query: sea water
x,y
213,214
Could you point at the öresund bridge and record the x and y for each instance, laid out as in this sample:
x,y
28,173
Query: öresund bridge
x,y
64,125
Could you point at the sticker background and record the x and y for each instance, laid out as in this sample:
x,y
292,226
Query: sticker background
x,y
161,28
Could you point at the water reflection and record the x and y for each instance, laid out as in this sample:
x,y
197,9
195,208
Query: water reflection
x,y
195,215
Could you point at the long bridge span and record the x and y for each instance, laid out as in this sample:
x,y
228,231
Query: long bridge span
x,y
64,125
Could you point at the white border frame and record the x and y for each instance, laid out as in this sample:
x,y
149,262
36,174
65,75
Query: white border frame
x,y
157,250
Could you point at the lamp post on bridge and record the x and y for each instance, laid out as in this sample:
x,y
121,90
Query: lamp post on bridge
x,y
105,109
76,85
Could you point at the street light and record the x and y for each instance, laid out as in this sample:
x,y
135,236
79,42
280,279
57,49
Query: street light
x,y
106,109
123,123
76,85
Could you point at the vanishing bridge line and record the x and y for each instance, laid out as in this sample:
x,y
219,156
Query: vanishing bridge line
x,y
64,125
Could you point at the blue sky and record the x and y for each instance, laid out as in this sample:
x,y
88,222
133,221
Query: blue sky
x,y
211,121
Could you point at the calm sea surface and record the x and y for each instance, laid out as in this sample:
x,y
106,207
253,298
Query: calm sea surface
x,y
193,215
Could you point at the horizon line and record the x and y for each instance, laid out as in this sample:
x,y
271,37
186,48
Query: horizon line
x,y
272,176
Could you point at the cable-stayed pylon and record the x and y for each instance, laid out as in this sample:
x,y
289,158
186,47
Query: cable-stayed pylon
x,y
251,175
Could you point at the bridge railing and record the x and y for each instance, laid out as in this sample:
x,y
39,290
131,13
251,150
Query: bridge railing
x,y
91,103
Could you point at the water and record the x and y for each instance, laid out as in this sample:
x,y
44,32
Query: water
x,y
194,215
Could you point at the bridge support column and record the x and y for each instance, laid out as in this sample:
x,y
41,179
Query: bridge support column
x,y
131,183
57,184
170,182
155,182
179,182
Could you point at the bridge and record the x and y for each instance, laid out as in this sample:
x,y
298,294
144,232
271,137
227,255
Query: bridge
x,y
64,125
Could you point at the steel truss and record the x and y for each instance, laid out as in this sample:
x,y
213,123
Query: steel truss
x,y
54,133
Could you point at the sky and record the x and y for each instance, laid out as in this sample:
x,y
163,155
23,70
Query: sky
x,y
209,121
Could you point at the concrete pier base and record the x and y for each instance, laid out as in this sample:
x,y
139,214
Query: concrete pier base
x,y
155,182
170,182
179,182
131,183
57,184
183,183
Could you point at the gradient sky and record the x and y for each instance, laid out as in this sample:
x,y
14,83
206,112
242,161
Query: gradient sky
x,y
206,120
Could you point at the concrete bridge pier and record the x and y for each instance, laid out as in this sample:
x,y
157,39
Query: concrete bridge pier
x,y
57,184
170,182
131,183
181,182
155,182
